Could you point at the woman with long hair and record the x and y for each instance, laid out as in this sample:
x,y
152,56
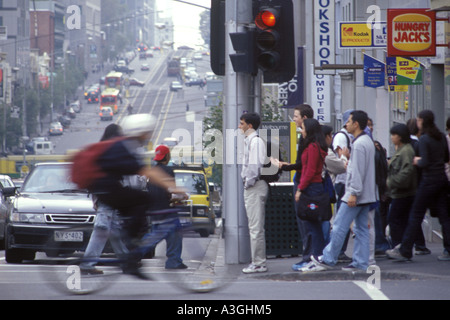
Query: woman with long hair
x,y
315,149
432,191
401,182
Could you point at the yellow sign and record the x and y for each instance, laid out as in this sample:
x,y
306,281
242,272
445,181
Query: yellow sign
x,y
355,35
398,88
412,32
409,71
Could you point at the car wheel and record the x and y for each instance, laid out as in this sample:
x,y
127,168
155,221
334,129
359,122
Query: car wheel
x,y
204,233
13,255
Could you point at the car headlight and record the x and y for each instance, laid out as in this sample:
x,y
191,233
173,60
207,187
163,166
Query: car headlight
x,y
28,217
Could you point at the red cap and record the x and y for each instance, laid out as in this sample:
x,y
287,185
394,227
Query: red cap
x,y
160,152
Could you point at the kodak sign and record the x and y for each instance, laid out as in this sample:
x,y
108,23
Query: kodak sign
x,y
411,32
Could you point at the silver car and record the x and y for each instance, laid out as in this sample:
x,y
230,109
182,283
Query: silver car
x,y
47,203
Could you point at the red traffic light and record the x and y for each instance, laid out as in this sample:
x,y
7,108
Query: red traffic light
x,y
266,19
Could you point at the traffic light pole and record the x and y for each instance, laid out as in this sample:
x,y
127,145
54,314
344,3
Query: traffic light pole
x,y
238,98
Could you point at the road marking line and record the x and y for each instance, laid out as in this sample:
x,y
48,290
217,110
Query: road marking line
x,y
371,291
168,105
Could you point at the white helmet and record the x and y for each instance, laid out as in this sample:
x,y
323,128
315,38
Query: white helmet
x,y
136,125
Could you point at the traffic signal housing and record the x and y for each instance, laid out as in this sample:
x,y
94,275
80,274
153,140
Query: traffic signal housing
x,y
244,58
274,40
217,31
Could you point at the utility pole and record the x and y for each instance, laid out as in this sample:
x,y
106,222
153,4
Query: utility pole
x,y
238,98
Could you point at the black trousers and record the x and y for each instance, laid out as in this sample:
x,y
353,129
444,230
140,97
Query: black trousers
x,y
431,194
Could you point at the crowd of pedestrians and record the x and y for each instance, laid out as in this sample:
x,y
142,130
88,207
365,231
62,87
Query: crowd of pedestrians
x,y
381,202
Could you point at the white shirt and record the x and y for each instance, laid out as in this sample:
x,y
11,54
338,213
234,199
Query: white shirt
x,y
341,141
254,158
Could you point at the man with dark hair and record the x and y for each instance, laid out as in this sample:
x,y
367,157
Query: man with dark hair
x,y
256,190
165,226
360,193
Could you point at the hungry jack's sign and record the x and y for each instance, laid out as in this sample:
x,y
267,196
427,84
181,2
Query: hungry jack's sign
x,y
411,32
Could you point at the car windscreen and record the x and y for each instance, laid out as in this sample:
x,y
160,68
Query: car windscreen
x,y
193,183
48,179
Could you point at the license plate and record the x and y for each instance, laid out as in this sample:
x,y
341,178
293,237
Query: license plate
x,y
185,220
69,236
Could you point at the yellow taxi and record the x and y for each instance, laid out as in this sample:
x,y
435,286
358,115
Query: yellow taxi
x,y
198,210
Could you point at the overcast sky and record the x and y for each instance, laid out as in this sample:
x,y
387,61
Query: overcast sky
x,y
186,19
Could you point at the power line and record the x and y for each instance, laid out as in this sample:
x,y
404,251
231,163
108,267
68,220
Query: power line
x,y
193,4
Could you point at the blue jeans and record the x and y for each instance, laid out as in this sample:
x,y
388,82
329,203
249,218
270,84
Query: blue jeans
x,y
171,232
314,240
361,251
340,191
106,226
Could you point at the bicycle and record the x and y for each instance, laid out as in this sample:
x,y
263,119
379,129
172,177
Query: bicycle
x,y
63,270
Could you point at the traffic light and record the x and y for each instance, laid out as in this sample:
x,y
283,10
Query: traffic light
x,y
244,45
275,47
217,31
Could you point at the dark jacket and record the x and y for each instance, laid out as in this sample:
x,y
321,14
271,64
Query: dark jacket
x,y
118,161
160,197
434,155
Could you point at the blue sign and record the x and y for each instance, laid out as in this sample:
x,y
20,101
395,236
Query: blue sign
x,y
290,94
374,72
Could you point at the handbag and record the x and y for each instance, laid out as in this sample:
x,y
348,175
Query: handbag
x,y
329,187
314,208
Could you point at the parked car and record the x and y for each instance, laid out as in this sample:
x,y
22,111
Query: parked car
x,y
106,113
175,86
76,106
65,121
145,67
48,200
136,82
71,113
56,129
7,191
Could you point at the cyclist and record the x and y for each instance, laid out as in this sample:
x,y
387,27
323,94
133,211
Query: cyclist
x,y
120,160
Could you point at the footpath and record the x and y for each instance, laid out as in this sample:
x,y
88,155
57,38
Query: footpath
x,y
421,267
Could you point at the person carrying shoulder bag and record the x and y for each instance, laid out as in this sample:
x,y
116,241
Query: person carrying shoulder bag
x,y
313,158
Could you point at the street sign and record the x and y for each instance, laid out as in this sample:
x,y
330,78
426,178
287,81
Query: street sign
x,y
374,72
354,35
411,32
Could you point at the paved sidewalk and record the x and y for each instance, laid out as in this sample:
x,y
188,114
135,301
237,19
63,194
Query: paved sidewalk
x,y
420,268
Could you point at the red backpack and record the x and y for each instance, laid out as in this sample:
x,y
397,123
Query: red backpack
x,y
85,169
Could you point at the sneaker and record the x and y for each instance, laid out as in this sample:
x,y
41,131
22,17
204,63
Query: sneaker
x,y
351,268
313,267
422,251
343,258
91,271
444,257
300,265
396,255
179,267
133,270
320,265
254,269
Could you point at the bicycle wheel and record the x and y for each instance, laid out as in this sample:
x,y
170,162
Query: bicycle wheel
x,y
204,257
68,270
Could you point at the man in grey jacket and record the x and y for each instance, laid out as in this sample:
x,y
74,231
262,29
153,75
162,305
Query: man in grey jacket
x,y
360,193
